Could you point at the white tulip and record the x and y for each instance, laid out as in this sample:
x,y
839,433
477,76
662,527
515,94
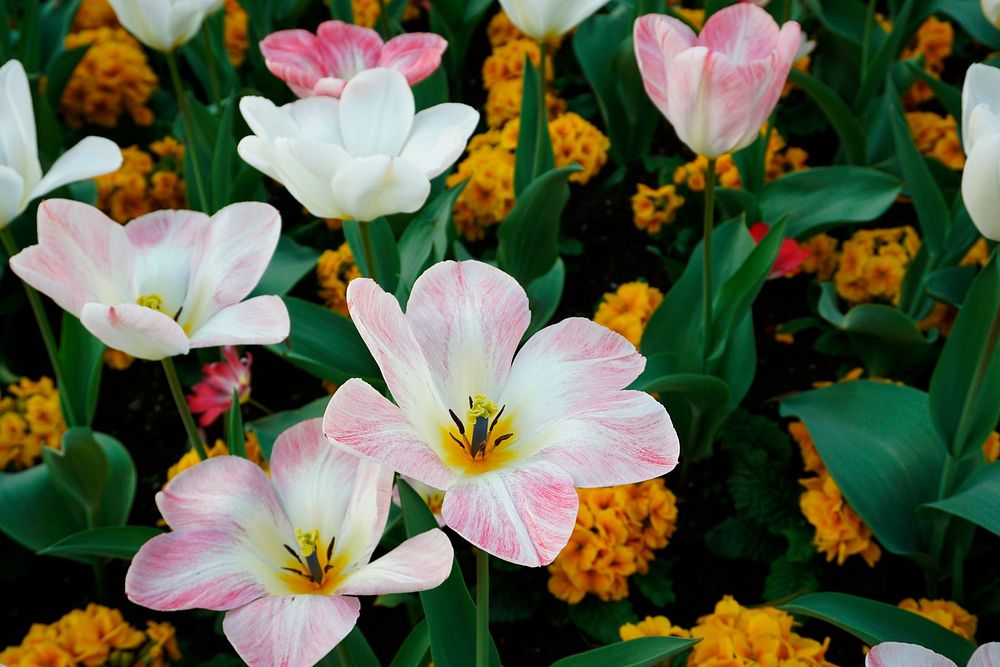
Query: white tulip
x,y
21,179
546,19
363,156
164,24
991,10
981,138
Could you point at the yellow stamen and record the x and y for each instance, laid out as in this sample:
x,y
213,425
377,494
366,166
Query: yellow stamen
x,y
307,540
481,407
153,301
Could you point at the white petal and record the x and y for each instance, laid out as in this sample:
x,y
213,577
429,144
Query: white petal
x,y
418,564
370,187
18,142
142,332
11,195
93,156
376,113
262,320
981,186
982,86
439,136
898,654
987,655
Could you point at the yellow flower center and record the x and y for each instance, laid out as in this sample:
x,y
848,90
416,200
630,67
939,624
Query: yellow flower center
x,y
153,301
307,540
477,446
313,570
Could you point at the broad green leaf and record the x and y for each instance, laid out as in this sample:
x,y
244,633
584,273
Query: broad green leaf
x,y
641,652
60,71
383,247
880,65
80,469
836,110
544,293
223,156
977,500
697,404
425,239
534,156
601,620
951,284
949,96
119,492
353,651
104,542
969,15
886,462
270,427
290,263
876,622
413,652
81,359
235,438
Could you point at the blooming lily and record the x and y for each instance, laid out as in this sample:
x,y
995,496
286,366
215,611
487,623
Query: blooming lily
x,y
363,156
508,439
546,19
981,138
21,179
164,283
323,63
164,24
283,557
897,654
214,394
717,88
790,255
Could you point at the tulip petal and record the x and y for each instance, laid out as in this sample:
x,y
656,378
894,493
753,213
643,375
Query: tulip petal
x,y
348,49
981,186
468,318
11,195
898,654
439,137
142,332
523,515
987,655
377,185
982,87
418,564
290,630
363,421
416,55
18,140
295,57
527,16
262,320
658,40
742,31
376,113
166,244
308,171
561,17
93,156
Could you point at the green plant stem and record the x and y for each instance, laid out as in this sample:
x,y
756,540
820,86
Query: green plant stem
x,y
866,46
982,367
786,13
707,262
213,74
368,249
38,308
188,119
182,407
260,406
383,17
482,608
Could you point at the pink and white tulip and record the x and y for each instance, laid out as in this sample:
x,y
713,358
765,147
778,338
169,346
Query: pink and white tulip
x,y
362,156
548,19
897,654
507,438
220,380
164,283
285,556
323,63
716,88
21,179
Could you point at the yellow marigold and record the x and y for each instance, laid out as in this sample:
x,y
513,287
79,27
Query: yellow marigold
x,y
873,263
810,456
117,360
942,317
693,173
781,158
113,78
190,459
822,259
501,30
651,626
840,532
945,613
617,529
366,12
576,141
991,448
735,636
141,184
934,42
163,644
936,136
236,36
627,310
30,418
334,270
489,194
507,62
503,102
978,254
653,208
94,14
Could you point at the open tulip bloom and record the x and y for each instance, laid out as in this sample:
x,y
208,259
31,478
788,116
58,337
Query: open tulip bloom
x,y
363,156
21,179
897,654
283,557
716,88
164,283
323,63
545,19
508,439
164,24
981,138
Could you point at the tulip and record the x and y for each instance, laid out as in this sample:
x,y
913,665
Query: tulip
x,y
897,654
508,439
164,25
221,379
718,88
547,19
363,156
285,556
164,283
991,10
323,63
790,255
981,138
21,179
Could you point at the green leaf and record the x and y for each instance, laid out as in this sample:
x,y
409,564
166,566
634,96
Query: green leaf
x,y
413,652
836,110
949,96
951,284
601,620
235,437
965,387
60,71
221,176
544,293
697,404
383,247
876,622
656,584
425,239
270,427
787,577
886,462
104,542
534,156
353,651
80,357
814,199
119,492
977,500
641,652
969,14
80,470
529,235
290,263
880,66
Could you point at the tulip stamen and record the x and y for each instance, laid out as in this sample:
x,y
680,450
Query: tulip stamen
x,y
484,415
307,540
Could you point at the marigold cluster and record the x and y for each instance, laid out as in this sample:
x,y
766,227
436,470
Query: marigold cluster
x,y
30,418
502,30
236,35
503,102
936,136
617,529
92,637
94,14
145,182
934,42
654,207
334,270
574,141
627,310
823,256
367,12
489,194
191,459
873,263
945,613
780,159
506,62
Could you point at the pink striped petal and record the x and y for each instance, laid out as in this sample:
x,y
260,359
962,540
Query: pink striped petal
x,y
290,631
523,515
295,57
658,40
142,332
262,320
743,32
418,564
415,55
627,437
194,569
987,655
348,49
468,318
363,421
898,654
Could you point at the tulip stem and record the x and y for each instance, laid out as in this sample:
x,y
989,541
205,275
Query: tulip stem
x,y
482,608
213,75
707,262
368,250
38,308
383,17
182,407
188,118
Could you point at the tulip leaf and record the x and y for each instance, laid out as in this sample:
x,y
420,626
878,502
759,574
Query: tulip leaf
x,y
413,652
290,263
640,652
235,437
836,110
544,293
886,462
426,239
950,284
534,156
880,65
267,429
876,622
223,155
968,14
59,71
352,651
948,95
965,387
81,358
977,500
80,470
383,247
103,542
